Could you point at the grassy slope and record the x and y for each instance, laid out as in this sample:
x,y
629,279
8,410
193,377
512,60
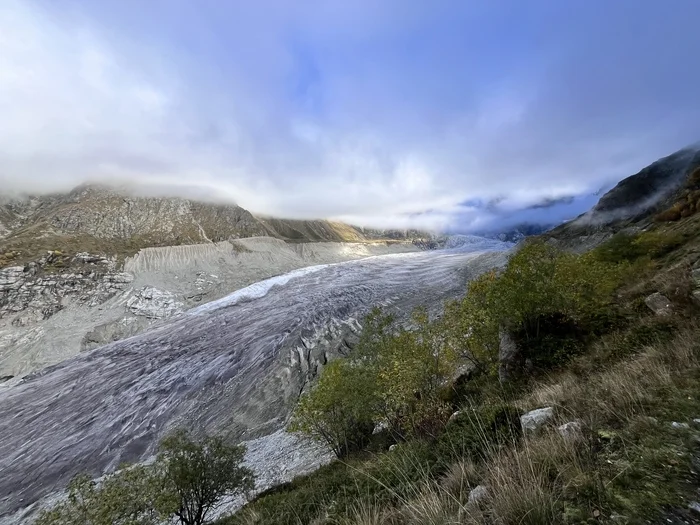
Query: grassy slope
x,y
629,465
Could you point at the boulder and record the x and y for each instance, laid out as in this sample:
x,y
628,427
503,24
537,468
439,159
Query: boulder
x,y
659,304
478,495
536,419
571,431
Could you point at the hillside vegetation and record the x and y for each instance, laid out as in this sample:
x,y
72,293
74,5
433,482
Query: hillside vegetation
x,y
426,420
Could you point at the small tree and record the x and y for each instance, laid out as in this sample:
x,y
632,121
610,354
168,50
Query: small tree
x,y
412,368
470,325
186,481
200,474
338,410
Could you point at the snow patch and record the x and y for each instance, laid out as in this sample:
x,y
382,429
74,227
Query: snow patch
x,y
255,291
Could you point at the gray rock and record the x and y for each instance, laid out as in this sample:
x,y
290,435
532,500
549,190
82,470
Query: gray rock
x,y
680,426
696,296
508,357
478,495
11,278
697,421
695,276
380,427
392,448
454,416
695,507
535,419
659,304
571,430
153,303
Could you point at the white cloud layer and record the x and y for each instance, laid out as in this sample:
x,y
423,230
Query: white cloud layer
x,y
370,112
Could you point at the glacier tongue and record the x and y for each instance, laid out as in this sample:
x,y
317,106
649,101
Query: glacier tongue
x,y
234,367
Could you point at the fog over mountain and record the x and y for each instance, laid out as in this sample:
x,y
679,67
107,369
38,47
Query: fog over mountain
x,y
372,113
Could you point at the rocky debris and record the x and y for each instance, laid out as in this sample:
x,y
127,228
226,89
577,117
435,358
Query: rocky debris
x,y
38,293
659,304
153,303
571,431
276,458
88,258
509,357
478,495
536,419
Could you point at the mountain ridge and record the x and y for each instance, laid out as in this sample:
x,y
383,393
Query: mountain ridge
x,y
115,222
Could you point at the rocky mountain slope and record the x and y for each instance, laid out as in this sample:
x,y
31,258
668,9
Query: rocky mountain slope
x,y
116,222
636,202
82,269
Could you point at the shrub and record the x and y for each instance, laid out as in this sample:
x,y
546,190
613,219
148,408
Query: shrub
x,y
185,482
544,298
339,409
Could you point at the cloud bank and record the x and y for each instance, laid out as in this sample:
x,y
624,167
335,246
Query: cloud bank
x,y
457,116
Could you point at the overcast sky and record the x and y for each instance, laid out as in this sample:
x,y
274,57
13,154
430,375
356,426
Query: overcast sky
x,y
439,114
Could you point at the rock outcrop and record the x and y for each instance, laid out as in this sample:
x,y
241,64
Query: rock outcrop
x,y
39,290
510,362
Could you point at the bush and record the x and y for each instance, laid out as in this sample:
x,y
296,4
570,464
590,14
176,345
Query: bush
x,y
544,298
185,482
339,409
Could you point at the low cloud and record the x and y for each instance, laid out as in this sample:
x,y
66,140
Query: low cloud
x,y
370,112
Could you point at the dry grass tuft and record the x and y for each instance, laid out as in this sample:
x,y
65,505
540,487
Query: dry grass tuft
x,y
460,478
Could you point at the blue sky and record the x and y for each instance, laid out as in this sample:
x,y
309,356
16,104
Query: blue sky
x,y
446,114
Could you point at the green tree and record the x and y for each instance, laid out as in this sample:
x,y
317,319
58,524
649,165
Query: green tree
x,y
201,473
538,283
412,368
470,325
338,410
186,481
